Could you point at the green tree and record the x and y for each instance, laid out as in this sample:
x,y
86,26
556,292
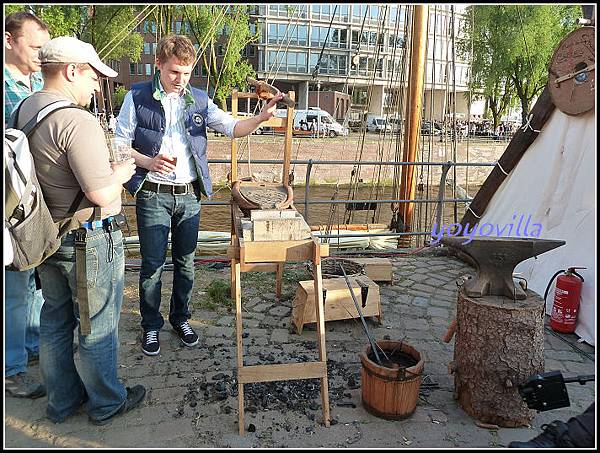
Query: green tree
x,y
119,96
214,26
108,28
512,47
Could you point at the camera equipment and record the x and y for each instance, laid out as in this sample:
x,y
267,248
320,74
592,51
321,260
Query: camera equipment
x,y
547,391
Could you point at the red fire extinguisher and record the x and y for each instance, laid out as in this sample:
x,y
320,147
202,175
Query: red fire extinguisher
x,y
566,300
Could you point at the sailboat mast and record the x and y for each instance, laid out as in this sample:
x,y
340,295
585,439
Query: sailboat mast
x,y
413,111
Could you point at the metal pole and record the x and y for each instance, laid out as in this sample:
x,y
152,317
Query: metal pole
x,y
442,193
307,189
318,108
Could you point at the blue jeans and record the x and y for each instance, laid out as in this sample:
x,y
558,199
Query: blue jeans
x,y
95,378
22,305
157,214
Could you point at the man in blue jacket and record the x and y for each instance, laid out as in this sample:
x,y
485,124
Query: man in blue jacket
x,y
166,121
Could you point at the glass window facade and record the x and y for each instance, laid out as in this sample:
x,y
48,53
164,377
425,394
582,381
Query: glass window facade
x,y
287,61
334,64
288,34
338,37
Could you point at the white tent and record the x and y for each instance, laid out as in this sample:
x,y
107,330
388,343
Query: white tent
x,y
555,183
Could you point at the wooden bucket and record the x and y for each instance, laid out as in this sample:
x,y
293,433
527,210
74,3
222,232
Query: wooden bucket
x,y
391,393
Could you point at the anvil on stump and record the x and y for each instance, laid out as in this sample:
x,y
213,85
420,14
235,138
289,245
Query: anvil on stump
x,y
496,259
499,330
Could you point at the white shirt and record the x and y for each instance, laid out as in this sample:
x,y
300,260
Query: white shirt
x,y
175,142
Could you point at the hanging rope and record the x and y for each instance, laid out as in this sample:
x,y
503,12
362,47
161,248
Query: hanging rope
x,y
316,70
454,135
357,169
125,32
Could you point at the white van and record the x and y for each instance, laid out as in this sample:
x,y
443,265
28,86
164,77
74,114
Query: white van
x,y
377,124
313,118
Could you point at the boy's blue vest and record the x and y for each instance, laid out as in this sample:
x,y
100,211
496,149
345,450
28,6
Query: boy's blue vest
x,y
150,130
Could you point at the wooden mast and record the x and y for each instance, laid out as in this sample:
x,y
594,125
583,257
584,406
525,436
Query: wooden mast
x,y
413,111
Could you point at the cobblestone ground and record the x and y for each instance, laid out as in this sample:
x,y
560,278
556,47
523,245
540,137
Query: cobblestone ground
x,y
191,399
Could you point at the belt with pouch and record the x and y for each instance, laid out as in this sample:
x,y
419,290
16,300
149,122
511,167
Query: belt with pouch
x,y
175,189
110,224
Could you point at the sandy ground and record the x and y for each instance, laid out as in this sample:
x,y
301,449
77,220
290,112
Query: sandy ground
x,y
352,149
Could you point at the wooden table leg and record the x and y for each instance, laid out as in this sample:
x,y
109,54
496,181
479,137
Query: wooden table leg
x,y
237,296
320,316
280,267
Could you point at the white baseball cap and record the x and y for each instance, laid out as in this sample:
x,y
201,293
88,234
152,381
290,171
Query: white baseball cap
x,y
66,49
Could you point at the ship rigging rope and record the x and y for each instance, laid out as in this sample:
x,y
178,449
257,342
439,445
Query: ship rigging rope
x,y
272,72
454,134
420,216
237,15
126,31
376,185
395,85
334,209
355,176
315,71
431,136
401,106
470,73
381,143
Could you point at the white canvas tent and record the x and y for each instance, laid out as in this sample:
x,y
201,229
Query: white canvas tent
x,y
555,183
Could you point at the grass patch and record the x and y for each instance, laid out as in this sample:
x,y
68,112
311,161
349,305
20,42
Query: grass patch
x,y
217,294
266,281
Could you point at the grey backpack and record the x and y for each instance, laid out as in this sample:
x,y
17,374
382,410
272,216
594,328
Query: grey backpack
x,y
33,233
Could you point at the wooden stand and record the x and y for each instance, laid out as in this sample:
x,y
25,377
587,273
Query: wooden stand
x,y
338,300
499,344
270,256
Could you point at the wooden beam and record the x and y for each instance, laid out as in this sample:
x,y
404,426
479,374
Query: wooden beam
x,y
413,110
279,251
287,147
234,109
281,372
260,267
519,144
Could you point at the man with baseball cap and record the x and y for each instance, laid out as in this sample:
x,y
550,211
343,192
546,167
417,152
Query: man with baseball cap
x,y
66,49
71,158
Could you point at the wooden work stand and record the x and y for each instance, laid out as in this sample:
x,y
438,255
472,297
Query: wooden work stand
x,y
270,256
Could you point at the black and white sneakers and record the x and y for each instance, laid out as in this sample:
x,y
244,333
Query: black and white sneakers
x,y
150,344
186,334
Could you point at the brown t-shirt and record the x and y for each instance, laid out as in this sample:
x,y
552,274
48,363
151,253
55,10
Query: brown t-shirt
x,y
70,152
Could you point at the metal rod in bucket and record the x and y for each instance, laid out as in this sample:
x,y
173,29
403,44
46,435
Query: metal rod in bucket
x,y
362,318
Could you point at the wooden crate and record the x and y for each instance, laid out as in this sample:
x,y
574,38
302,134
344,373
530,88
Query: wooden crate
x,y
338,300
377,269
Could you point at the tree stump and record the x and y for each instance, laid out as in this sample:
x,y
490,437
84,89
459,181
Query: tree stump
x,y
499,344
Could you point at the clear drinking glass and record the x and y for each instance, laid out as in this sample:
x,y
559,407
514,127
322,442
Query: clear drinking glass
x,y
120,148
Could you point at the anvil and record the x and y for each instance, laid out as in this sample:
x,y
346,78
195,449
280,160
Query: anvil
x,y
496,258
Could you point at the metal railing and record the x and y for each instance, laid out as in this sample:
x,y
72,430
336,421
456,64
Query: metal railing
x,y
307,201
